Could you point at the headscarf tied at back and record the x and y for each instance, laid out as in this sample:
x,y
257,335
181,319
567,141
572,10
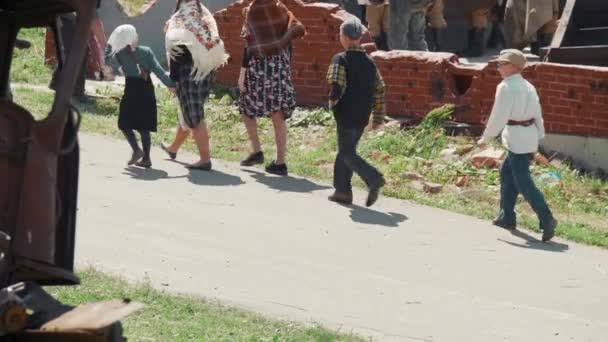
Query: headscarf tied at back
x,y
121,37
270,27
193,25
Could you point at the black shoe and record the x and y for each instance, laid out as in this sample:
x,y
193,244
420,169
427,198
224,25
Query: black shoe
x,y
374,191
549,230
200,166
254,159
171,155
277,169
145,163
342,197
505,225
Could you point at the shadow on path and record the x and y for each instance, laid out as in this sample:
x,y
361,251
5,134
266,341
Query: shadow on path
x,y
372,217
289,184
212,178
532,243
145,174
197,177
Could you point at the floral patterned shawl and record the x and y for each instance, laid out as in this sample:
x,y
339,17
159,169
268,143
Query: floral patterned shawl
x,y
195,28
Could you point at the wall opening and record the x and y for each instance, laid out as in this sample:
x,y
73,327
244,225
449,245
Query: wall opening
x,y
462,83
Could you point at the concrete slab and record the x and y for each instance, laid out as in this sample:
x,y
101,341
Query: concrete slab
x,y
396,272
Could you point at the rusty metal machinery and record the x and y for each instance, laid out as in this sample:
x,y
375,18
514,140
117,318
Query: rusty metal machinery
x,y
39,164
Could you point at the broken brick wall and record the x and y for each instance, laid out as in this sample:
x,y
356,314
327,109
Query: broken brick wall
x,y
574,98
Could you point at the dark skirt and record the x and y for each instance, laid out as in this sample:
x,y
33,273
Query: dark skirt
x,y
138,105
269,87
192,95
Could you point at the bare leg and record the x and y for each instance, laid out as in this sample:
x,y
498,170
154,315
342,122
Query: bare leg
x,y
201,137
180,136
280,136
252,130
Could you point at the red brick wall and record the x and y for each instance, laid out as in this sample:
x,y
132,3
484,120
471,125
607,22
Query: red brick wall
x,y
574,98
312,54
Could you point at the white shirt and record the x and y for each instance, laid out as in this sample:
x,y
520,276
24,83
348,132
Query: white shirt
x,y
516,99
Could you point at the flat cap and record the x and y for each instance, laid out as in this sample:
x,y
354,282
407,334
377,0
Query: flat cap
x,y
512,56
352,28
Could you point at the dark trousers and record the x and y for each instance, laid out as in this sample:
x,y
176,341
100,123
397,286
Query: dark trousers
x,y
145,141
515,179
348,161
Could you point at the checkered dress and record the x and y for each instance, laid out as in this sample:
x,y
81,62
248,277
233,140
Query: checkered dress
x,y
192,95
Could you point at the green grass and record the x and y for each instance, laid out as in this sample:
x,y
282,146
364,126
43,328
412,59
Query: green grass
x,y
132,7
182,318
579,201
28,65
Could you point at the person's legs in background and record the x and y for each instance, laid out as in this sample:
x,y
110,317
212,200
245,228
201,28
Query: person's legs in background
x,y
476,36
377,21
416,33
437,24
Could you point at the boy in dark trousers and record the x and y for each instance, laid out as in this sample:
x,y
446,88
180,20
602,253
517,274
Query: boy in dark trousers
x,y
356,89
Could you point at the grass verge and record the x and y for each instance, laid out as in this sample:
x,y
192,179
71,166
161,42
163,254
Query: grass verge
x,y
182,318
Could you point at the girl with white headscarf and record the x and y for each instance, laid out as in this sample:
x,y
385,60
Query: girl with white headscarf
x,y
196,51
138,104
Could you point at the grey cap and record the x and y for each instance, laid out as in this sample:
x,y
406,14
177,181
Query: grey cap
x,y
352,28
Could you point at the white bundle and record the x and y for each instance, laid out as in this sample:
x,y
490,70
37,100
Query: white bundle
x,y
197,30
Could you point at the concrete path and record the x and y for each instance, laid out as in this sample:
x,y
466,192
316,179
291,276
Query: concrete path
x,y
397,272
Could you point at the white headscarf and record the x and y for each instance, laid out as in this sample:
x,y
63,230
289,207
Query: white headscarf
x,y
122,36
198,31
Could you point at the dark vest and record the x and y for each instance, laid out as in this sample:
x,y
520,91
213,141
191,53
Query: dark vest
x,y
355,106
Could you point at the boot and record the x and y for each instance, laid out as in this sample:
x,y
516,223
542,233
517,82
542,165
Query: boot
x,y
476,46
542,40
497,37
535,48
381,42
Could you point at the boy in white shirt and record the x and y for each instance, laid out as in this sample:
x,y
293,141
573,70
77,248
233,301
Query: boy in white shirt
x,y
517,113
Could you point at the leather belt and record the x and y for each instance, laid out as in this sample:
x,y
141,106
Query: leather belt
x,y
521,123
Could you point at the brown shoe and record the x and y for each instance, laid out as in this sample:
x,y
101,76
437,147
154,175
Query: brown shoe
x,y
342,197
